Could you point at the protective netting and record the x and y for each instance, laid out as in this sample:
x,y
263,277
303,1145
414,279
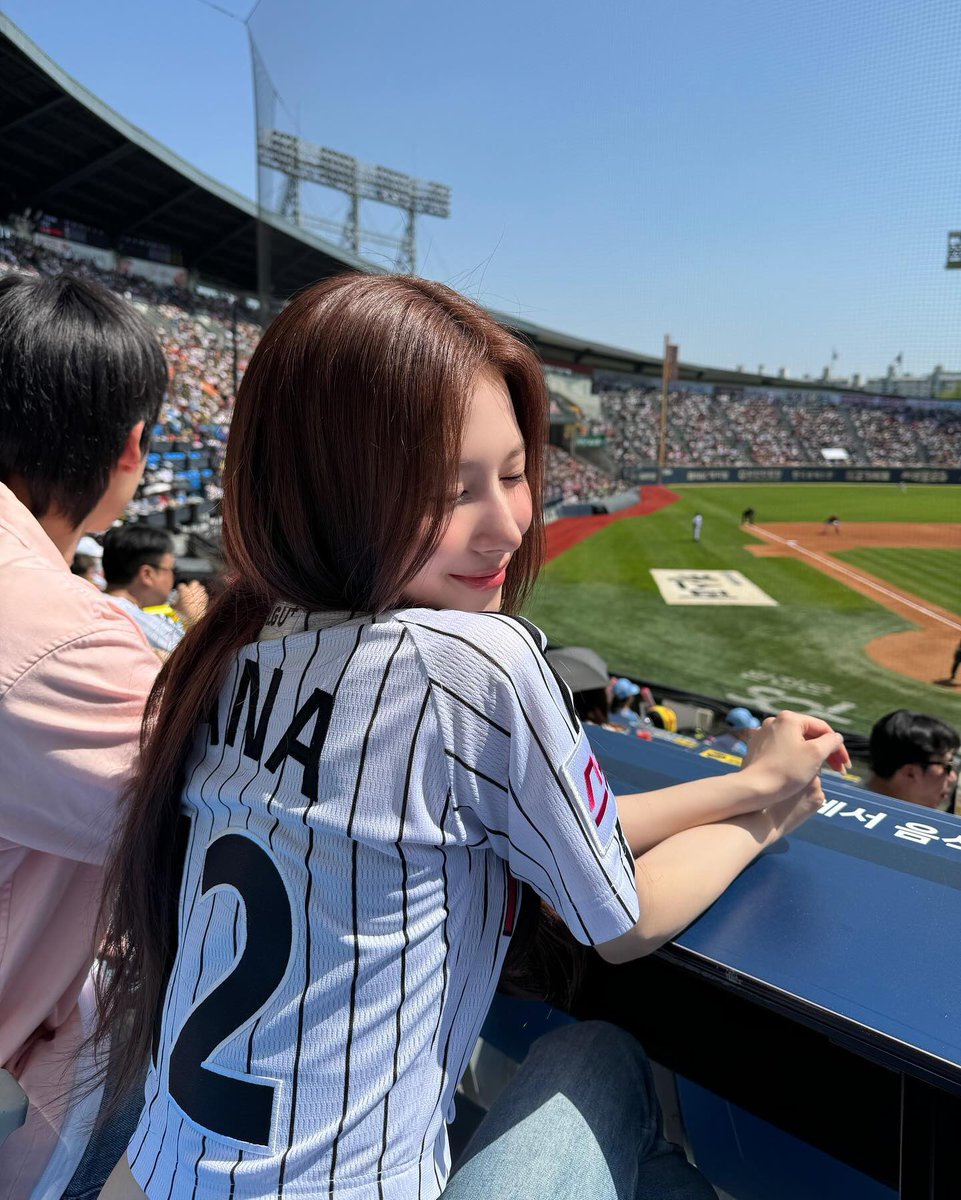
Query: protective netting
x,y
773,183
359,213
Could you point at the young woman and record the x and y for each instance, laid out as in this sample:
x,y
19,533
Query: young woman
x,y
351,762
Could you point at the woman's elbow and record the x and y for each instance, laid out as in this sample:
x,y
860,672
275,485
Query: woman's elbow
x,y
636,943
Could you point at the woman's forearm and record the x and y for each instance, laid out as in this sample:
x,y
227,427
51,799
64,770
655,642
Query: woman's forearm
x,y
683,875
648,818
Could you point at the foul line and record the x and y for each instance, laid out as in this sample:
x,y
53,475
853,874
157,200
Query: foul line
x,y
862,579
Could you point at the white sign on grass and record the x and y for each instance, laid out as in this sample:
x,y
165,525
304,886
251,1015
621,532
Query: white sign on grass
x,y
709,587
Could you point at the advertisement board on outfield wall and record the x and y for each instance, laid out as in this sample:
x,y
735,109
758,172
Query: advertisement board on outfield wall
x,y
797,475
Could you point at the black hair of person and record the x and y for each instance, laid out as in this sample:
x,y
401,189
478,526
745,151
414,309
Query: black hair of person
x,y
79,368
903,737
126,548
82,563
591,705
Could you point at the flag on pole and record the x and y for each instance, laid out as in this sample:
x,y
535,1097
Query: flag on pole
x,y
670,362
669,372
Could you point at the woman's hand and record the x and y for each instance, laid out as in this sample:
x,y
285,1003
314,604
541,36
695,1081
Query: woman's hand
x,y
784,758
786,753
787,815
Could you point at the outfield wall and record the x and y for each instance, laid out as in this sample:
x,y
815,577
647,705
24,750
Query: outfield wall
x,y
678,475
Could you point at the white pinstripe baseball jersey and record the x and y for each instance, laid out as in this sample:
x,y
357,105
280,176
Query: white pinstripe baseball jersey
x,y
360,808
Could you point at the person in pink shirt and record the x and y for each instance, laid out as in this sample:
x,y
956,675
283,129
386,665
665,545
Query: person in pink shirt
x,y
81,382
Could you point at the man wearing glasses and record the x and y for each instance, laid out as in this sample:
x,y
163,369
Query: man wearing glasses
x,y
915,758
138,565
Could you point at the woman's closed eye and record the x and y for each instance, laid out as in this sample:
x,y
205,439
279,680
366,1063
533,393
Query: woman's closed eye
x,y
513,480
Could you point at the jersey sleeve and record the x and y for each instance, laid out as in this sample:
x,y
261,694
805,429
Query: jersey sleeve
x,y
523,776
69,732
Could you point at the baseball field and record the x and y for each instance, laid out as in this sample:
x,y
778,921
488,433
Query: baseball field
x,y
848,622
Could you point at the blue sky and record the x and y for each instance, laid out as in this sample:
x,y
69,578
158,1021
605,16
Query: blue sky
x,y
764,180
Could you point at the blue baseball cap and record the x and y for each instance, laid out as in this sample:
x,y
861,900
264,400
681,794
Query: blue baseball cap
x,y
741,718
624,689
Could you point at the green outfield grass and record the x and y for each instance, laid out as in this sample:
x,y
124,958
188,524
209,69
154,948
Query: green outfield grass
x,y
807,652
815,501
933,575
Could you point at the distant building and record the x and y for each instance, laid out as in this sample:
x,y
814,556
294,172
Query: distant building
x,y
938,385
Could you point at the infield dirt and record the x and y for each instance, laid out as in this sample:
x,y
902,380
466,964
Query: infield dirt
x,y
924,653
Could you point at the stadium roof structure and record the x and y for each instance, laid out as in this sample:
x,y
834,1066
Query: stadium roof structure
x,y
67,153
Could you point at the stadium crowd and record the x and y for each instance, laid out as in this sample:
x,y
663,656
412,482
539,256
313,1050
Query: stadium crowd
x,y
567,477
731,429
207,343
816,426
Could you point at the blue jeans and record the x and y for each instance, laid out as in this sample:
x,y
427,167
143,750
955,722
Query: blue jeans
x,y
580,1121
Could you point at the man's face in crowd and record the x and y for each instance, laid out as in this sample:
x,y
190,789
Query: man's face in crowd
x,y
930,782
157,580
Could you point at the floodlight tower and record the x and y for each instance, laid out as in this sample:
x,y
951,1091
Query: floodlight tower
x,y
300,161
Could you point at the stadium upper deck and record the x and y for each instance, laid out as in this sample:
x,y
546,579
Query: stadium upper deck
x,y
67,153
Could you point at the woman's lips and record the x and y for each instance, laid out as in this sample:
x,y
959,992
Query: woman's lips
x,y
483,582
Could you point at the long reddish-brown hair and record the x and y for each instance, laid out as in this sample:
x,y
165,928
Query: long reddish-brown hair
x,y
340,464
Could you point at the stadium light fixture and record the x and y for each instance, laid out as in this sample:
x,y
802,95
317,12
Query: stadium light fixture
x,y
301,161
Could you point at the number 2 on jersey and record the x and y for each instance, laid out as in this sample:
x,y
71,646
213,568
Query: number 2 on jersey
x,y
238,1108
